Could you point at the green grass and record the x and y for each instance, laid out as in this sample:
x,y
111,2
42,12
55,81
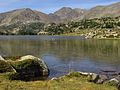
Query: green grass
x,y
70,34
73,81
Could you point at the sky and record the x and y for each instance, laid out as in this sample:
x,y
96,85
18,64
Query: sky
x,y
50,6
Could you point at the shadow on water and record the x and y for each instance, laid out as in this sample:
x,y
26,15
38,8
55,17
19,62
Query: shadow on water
x,y
64,54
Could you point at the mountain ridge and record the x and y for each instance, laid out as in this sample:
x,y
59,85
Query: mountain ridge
x,y
64,14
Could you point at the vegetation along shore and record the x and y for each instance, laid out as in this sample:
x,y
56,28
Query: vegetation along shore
x,y
63,58
29,72
99,28
98,22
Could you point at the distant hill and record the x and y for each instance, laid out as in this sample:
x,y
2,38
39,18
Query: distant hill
x,y
23,15
67,14
64,14
112,10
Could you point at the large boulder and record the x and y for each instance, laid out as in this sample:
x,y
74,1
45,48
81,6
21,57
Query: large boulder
x,y
5,67
28,68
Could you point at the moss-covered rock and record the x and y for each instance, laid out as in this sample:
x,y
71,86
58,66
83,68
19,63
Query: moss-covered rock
x,y
5,67
28,68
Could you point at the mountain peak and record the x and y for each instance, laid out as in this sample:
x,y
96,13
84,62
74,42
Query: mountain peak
x,y
27,9
68,14
102,11
62,15
23,15
66,8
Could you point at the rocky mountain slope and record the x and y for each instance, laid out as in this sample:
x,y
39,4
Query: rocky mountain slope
x,y
23,15
112,10
64,14
67,14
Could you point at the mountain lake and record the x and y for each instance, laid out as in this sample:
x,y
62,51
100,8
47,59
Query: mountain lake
x,y
64,54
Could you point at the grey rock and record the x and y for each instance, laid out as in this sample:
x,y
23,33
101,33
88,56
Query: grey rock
x,y
102,79
54,78
114,79
41,62
99,79
113,82
1,58
29,68
118,86
95,77
118,78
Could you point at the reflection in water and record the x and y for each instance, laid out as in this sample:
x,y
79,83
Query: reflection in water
x,y
64,54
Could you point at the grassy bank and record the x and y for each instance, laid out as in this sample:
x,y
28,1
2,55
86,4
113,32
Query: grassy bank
x,y
73,81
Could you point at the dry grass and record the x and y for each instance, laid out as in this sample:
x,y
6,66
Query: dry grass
x,y
68,82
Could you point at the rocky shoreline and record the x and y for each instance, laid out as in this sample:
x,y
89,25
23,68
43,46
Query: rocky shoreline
x,y
28,67
25,68
102,34
97,78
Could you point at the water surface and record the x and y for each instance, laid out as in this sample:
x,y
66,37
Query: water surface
x,y
65,53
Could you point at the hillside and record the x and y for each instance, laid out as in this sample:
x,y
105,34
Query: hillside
x,y
38,28
68,14
23,15
112,10
66,20
64,14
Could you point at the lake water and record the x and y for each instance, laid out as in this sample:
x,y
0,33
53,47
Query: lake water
x,y
63,54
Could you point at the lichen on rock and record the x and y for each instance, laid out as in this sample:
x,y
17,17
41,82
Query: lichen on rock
x,y
29,67
25,68
5,67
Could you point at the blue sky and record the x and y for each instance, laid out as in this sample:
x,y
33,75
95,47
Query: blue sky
x,y
48,6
